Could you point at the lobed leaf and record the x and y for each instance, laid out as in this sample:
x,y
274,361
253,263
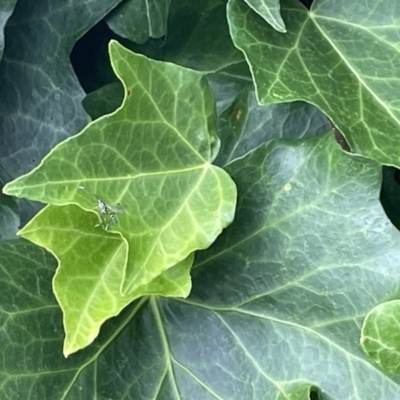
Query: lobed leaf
x,y
288,283
336,57
91,260
159,169
277,302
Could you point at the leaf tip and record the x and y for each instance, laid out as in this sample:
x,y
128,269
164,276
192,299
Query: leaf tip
x,y
114,46
6,188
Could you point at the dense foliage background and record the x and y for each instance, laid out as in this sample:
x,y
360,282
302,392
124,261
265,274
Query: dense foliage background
x,y
275,123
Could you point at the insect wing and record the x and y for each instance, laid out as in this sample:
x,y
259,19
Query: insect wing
x,y
115,208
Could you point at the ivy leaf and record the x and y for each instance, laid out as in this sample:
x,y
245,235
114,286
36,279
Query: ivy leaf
x,y
190,42
228,83
277,301
174,201
288,283
380,336
348,82
140,20
9,218
87,282
40,96
6,9
246,124
104,100
269,10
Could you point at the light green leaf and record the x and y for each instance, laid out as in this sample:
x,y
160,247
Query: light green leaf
x,y
158,148
269,10
246,124
339,58
380,337
6,9
139,20
91,262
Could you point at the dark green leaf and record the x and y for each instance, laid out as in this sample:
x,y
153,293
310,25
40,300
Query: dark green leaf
x,y
228,83
6,9
104,100
40,97
277,301
139,20
283,291
246,124
190,41
9,218
31,324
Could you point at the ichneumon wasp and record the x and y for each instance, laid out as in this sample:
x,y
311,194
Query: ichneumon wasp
x,y
106,211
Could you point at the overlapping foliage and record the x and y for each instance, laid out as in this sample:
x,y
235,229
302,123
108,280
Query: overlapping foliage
x,y
208,209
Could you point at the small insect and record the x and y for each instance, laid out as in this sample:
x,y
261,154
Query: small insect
x,y
107,211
